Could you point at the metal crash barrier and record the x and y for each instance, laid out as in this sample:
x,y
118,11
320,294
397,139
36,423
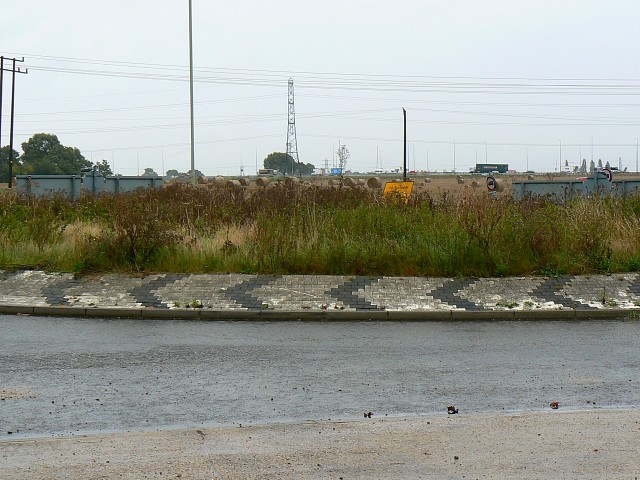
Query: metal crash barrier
x,y
49,185
73,186
600,182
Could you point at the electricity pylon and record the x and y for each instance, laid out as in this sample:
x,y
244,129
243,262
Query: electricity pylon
x,y
292,142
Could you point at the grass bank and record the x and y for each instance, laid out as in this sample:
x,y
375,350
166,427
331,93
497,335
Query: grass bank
x,y
319,230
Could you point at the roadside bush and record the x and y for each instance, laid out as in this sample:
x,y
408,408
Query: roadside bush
x,y
320,230
136,234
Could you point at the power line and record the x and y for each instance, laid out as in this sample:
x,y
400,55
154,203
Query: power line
x,y
330,84
414,100
185,144
351,81
475,143
155,106
379,86
288,73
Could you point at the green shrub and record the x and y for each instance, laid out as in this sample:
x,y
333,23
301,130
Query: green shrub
x,y
315,230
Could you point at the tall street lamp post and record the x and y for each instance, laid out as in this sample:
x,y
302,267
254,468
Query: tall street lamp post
x,y
193,168
454,156
404,153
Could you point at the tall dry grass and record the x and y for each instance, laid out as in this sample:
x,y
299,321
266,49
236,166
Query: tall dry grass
x,y
319,230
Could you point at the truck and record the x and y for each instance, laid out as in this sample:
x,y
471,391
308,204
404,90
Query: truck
x,y
490,168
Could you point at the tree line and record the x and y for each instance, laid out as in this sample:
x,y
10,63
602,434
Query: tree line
x,y
285,163
43,154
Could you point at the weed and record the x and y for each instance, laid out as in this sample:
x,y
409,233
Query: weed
x,y
507,304
315,230
550,271
228,248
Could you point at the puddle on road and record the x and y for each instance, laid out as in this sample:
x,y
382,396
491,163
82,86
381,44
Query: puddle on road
x,y
79,376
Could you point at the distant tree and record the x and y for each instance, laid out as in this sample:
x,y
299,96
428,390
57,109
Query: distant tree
x,y
279,161
607,165
583,168
103,168
184,176
172,173
43,154
285,163
599,163
198,173
306,168
592,166
4,164
343,155
149,172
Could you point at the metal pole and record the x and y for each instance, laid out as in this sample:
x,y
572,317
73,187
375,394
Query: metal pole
x,y
1,79
404,156
13,97
193,168
580,159
454,156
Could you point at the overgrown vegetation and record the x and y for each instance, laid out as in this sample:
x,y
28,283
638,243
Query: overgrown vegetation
x,y
319,230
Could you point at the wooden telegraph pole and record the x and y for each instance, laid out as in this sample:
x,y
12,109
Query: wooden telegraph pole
x,y
13,71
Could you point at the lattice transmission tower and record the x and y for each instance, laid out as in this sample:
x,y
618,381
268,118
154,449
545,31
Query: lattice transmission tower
x,y
292,142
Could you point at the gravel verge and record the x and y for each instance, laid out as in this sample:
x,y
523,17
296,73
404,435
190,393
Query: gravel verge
x,y
594,444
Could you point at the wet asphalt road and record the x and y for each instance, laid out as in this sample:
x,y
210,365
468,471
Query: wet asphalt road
x,y
61,376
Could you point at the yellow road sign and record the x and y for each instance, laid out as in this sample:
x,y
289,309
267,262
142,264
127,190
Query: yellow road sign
x,y
398,189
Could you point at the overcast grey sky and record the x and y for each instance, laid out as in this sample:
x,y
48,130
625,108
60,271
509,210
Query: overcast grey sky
x,y
510,81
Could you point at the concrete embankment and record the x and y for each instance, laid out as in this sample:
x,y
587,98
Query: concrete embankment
x,y
318,297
